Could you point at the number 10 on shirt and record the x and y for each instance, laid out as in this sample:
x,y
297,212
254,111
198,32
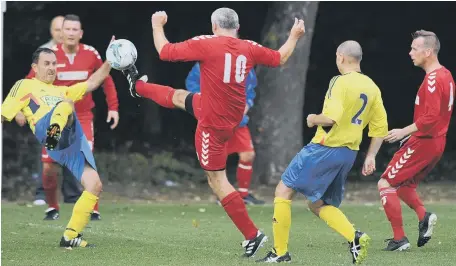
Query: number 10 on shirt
x,y
241,64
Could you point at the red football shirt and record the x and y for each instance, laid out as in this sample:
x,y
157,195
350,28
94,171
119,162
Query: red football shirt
x,y
78,67
225,63
434,104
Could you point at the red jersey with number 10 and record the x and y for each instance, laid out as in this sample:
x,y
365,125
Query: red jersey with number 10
x,y
225,63
434,104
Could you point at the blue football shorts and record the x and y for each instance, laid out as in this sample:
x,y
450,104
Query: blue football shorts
x,y
320,172
73,149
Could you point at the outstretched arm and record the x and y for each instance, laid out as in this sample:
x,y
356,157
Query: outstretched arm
x,y
288,47
275,58
159,20
98,77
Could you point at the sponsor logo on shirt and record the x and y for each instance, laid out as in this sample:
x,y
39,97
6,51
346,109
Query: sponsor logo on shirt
x,y
72,75
51,100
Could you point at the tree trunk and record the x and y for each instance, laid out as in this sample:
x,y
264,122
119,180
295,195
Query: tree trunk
x,y
277,118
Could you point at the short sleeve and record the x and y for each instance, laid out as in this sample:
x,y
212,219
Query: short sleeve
x,y
333,107
263,55
15,101
76,92
378,125
195,49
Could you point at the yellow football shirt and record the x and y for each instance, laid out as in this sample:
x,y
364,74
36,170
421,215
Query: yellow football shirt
x,y
36,98
353,101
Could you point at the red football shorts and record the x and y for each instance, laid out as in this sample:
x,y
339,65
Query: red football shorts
x,y
87,128
414,160
214,145
211,147
240,142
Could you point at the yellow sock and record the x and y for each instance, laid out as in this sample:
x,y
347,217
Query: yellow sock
x,y
61,113
281,225
337,221
81,213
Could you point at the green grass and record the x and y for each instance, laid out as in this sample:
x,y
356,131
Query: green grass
x,y
164,234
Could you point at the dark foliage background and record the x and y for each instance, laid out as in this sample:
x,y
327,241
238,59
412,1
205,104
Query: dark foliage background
x,y
153,145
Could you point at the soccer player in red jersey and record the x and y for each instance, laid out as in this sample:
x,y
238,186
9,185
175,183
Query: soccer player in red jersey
x,y
75,63
421,152
225,62
241,142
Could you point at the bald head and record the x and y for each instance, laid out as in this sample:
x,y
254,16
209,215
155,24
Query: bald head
x,y
351,49
56,29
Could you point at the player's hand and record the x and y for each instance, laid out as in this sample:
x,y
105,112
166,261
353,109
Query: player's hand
x,y
20,119
310,119
395,135
113,38
113,115
298,29
159,19
369,165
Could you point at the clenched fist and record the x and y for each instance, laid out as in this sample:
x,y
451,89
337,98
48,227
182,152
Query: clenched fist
x,y
159,19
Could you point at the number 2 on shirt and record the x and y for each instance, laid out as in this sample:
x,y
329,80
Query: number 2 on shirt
x,y
355,119
241,64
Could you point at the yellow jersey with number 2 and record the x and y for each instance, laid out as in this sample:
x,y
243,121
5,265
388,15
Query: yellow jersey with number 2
x,y
352,101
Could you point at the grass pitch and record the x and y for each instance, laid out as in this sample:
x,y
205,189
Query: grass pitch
x,y
202,234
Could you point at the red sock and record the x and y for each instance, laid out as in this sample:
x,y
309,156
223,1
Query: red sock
x,y
95,208
235,208
50,188
411,198
162,95
393,211
244,177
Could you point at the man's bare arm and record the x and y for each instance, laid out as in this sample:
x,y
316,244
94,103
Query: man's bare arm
x,y
319,120
374,146
98,77
159,38
159,20
288,47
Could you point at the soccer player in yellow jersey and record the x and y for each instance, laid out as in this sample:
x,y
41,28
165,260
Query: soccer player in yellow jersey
x,y
320,169
49,111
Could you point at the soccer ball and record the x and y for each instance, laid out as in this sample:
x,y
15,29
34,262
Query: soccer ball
x,y
121,54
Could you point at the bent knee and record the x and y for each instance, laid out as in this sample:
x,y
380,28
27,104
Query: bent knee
x,y
179,98
284,192
248,156
98,186
315,206
382,183
91,181
95,187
